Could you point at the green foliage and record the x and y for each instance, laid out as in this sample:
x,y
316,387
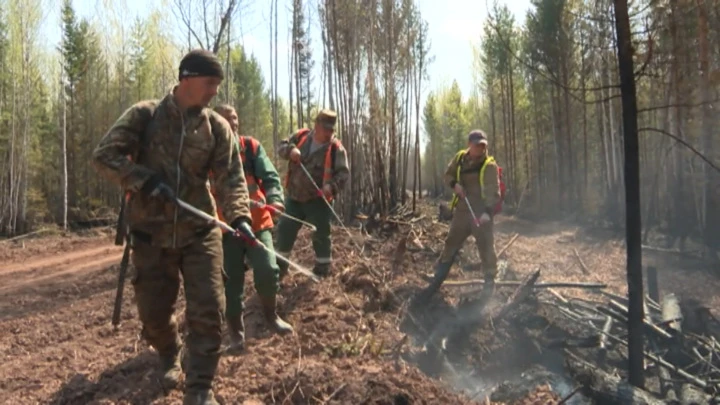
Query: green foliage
x,y
303,62
252,99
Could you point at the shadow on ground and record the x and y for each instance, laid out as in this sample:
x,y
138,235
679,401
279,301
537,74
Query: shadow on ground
x,y
134,381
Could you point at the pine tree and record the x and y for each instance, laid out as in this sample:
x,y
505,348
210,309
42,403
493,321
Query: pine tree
x,y
303,64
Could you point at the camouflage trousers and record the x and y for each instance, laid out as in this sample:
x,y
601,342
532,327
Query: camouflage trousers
x,y
265,270
157,283
315,212
461,228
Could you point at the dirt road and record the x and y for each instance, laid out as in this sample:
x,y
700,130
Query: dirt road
x,y
38,271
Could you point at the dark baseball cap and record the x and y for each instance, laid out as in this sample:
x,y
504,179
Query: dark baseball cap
x,y
477,137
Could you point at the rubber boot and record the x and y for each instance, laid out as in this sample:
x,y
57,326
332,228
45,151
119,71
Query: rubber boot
x,y
170,369
274,321
321,269
236,330
441,272
203,397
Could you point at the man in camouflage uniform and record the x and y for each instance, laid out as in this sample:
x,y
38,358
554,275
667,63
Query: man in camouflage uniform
x,y
174,143
472,173
324,157
265,188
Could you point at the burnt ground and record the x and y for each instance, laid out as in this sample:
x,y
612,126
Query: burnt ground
x,y
357,339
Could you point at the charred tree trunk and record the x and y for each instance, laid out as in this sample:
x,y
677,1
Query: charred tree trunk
x,y
632,195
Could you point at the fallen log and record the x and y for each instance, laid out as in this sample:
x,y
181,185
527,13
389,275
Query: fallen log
x,y
667,385
515,299
673,251
549,284
649,325
605,388
602,342
662,362
690,395
478,314
671,314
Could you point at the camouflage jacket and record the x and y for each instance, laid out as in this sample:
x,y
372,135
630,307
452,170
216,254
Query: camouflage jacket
x,y
298,187
483,193
182,149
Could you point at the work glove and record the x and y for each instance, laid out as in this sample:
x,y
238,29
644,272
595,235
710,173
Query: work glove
x,y
484,218
327,191
276,209
244,231
295,155
154,187
459,190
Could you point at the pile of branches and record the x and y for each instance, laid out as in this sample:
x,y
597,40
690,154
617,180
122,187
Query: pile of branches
x,y
682,353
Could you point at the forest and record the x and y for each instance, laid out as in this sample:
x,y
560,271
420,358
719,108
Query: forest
x,y
547,91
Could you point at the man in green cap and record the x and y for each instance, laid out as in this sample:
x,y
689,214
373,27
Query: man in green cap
x,y
322,155
161,150
474,176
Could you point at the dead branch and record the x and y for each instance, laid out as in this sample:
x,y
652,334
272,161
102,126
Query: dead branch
x,y
682,142
223,25
582,263
186,20
337,391
507,245
605,387
516,298
620,311
26,235
659,360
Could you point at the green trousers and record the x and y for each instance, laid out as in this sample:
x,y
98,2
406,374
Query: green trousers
x,y
315,212
264,266
157,282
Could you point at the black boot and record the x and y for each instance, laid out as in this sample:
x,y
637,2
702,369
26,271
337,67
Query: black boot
x,y
441,272
274,321
170,362
236,330
321,269
203,397
170,369
488,287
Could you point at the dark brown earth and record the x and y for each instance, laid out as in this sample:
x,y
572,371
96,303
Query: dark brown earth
x,y
356,341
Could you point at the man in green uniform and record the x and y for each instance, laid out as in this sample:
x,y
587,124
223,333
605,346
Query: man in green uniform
x,y
160,150
324,157
474,177
264,187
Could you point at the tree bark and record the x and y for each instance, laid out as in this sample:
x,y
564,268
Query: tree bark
x,y
632,195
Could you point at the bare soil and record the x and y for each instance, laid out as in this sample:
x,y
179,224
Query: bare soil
x,y
356,340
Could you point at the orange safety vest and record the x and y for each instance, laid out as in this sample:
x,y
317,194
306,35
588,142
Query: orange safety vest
x,y
261,218
329,162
